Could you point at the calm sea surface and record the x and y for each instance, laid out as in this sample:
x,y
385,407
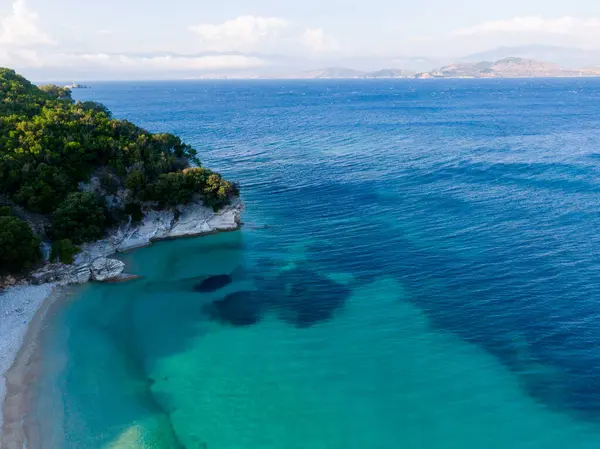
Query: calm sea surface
x,y
420,269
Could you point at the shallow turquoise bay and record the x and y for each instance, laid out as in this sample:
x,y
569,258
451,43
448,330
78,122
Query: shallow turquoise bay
x,y
425,279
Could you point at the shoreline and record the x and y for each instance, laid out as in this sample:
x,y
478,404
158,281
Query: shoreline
x,y
23,308
18,308
23,374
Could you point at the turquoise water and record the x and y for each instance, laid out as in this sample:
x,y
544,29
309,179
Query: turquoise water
x,y
418,269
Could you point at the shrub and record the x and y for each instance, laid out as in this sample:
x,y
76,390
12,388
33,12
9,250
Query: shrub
x,y
171,189
110,183
135,182
64,251
19,246
79,218
134,210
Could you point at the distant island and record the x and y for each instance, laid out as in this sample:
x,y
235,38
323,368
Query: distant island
x,y
345,73
510,67
69,172
506,68
76,86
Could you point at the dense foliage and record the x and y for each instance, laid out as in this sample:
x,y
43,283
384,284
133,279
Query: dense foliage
x,y
63,251
19,247
80,218
50,144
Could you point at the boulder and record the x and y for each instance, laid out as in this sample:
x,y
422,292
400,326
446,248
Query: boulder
x,y
7,281
80,274
61,274
104,269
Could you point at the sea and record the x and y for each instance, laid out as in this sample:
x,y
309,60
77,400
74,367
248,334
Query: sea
x,y
419,268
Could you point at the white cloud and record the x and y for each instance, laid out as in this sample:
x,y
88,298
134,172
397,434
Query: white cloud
x,y
19,57
21,36
242,33
202,63
31,59
21,28
535,24
266,34
316,40
227,46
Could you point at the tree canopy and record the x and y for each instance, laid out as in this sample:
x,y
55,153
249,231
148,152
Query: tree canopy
x,y
19,247
50,145
79,218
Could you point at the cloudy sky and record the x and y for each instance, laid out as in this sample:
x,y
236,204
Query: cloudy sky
x,y
124,38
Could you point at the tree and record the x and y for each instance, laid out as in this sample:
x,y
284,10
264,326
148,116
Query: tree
x,y
135,182
64,251
171,189
19,247
55,91
79,218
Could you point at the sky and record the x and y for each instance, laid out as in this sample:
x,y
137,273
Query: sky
x,y
135,38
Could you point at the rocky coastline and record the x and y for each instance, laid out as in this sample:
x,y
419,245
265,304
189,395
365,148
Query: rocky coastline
x,y
21,301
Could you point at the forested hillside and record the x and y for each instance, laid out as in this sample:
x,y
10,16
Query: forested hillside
x,y
64,161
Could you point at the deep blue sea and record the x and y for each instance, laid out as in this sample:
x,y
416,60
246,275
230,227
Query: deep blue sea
x,y
419,269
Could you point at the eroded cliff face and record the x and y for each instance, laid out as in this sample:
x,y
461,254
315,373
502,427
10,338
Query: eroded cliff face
x,y
93,263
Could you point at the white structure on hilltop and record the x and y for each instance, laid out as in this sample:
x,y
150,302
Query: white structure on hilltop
x,y
76,86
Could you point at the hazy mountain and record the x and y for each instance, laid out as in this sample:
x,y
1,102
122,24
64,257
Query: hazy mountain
x,y
346,73
389,73
328,72
511,67
372,63
574,58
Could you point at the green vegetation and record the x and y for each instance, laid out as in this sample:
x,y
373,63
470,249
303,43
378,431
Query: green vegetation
x,y
50,144
19,246
63,251
80,218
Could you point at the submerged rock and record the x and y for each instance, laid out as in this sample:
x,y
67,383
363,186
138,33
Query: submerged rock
x,y
104,269
124,277
298,296
304,298
243,308
213,283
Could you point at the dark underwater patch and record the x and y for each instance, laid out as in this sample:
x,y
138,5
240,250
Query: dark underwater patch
x,y
304,298
213,283
309,298
243,308
299,297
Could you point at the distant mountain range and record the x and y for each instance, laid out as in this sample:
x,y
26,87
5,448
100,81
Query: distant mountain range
x,y
569,57
501,62
345,73
521,61
510,67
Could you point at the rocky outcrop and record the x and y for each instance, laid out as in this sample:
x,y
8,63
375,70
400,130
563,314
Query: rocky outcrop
x,y
61,274
192,220
103,269
93,264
